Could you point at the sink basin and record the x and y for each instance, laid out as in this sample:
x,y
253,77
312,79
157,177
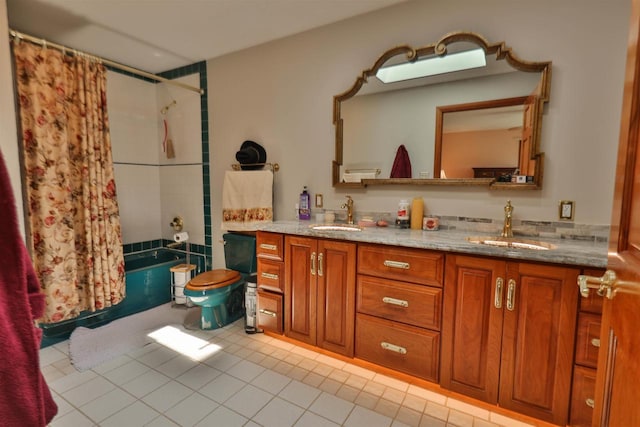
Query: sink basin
x,y
512,242
335,227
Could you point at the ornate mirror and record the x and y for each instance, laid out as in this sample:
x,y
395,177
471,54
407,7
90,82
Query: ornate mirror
x,y
477,125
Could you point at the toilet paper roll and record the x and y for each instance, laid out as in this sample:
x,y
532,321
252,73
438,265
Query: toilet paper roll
x,y
181,237
180,279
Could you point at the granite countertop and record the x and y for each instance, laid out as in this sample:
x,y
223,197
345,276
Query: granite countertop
x,y
567,251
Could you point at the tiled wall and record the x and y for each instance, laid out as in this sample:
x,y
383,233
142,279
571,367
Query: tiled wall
x,y
153,189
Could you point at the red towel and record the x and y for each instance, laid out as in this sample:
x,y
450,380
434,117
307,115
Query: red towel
x,y
25,399
401,165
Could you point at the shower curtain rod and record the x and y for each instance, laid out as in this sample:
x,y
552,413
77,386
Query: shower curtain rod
x,y
42,42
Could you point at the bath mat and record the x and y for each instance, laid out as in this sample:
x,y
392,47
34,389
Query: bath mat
x,y
90,347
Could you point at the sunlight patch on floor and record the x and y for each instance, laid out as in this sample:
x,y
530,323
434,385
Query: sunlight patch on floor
x,y
184,343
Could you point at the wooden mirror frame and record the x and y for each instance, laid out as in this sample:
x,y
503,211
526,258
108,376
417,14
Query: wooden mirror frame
x,y
501,52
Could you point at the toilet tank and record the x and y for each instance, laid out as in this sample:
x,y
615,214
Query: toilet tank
x,y
240,252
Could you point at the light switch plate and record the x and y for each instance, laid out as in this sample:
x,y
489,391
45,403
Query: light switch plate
x,y
566,210
319,200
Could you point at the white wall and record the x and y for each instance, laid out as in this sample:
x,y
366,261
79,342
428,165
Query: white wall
x,y
8,132
133,121
153,189
181,177
280,94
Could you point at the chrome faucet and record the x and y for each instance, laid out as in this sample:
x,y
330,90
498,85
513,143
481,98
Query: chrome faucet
x,y
348,205
507,231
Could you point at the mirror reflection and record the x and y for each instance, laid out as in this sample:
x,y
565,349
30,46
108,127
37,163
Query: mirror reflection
x,y
467,127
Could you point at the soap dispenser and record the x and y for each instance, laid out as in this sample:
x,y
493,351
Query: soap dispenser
x,y
305,204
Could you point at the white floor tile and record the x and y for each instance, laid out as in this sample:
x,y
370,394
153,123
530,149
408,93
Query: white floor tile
x,y
157,357
300,394
108,404
112,364
134,415
270,381
63,405
88,391
167,395
162,422
366,417
331,407
278,413
176,366
72,380
198,376
245,371
257,381
72,419
222,388
248,401
125,373
144,384
459,419
222,361
309,419
50,355
222,416
191,410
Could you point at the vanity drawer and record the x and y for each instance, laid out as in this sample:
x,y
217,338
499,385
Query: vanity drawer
x,y
270,275
406,264
269,311
582,395
416,305
588,342
270,245
397,346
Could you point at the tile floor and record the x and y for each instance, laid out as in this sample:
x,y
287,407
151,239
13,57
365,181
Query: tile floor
x,y
251,380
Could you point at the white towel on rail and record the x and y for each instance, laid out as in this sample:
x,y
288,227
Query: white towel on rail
x,y
247,199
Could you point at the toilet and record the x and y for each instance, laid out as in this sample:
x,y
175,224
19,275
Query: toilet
x,y
220,292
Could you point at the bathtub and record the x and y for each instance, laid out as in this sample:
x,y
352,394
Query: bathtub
x,y
148,285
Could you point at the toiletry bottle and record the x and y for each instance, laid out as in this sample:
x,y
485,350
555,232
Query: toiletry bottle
x,y
402,217
417,212
305,204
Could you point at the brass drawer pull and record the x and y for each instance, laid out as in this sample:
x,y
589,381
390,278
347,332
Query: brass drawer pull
x,y
497,299
320,270
313,263
269,276
595,342
268,247
393,347
396,264
511,295
268,313
395,301
590,403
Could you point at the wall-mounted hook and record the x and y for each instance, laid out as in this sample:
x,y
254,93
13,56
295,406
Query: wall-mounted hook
x,y
177,223
165,109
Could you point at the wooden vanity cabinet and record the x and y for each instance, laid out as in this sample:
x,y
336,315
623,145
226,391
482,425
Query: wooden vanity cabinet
x,y
586,357
508,334
320,282
399,309
270,281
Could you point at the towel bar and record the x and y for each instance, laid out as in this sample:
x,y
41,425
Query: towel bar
x,y
274,166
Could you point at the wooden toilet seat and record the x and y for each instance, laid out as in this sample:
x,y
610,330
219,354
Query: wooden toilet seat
x,y
213,279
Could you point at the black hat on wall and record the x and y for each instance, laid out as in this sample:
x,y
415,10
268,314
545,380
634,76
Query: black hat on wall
x,y
251,152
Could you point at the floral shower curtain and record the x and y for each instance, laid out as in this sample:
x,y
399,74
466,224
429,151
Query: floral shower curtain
x,y
73,215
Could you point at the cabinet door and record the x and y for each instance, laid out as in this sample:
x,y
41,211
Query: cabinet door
x,y
538,340
300,288
472,326
336,274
